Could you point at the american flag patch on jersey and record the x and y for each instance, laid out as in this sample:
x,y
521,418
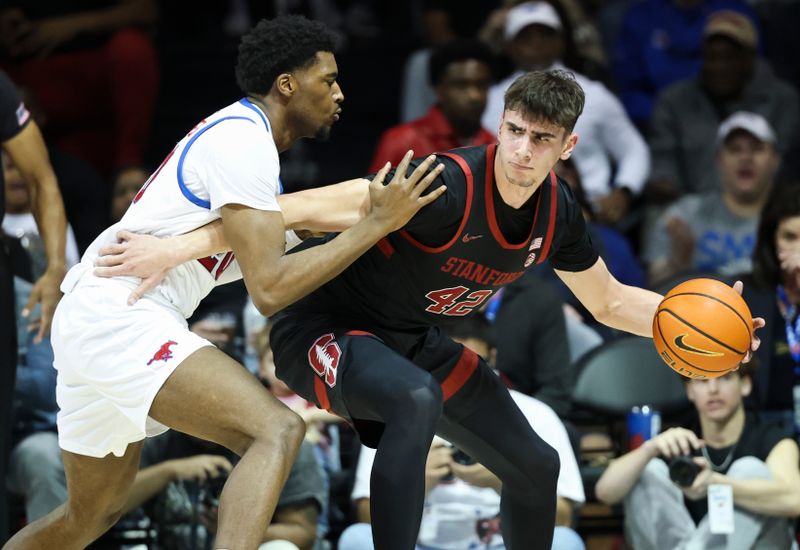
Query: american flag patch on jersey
x,y
535,243
22,114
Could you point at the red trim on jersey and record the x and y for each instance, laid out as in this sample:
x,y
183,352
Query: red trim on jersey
x,y
551,223
209,262
386,247
468,173
321,393
490,214
460,374
359,333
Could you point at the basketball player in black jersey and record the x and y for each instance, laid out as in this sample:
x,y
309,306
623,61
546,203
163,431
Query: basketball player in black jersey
x,y
370,345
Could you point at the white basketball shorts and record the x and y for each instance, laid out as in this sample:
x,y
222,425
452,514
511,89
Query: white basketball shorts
x,y
112,360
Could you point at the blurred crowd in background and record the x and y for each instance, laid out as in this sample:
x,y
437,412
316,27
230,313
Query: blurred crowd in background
x,y
688,164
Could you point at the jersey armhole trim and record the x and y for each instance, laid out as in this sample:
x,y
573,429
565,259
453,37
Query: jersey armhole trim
x,y
468,174
181,183
551,223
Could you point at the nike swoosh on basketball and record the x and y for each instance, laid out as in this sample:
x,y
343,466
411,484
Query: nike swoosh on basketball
x,y
467,237
691,349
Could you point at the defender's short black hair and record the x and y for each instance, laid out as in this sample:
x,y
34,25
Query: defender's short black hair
x,y
276,46
457,50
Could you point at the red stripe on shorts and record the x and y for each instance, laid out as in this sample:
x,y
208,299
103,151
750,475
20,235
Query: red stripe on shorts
x,y
321,393
466,365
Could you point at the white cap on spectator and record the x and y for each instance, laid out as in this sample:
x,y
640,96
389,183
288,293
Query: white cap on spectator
x,y
752,123
531,13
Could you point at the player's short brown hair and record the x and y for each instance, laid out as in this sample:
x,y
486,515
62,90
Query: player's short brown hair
x,y
553,96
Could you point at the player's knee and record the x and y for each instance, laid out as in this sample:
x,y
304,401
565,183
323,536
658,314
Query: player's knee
x,y
285,430
540,471
423,402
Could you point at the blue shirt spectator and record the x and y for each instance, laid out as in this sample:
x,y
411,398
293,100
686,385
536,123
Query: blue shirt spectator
x,y
659,44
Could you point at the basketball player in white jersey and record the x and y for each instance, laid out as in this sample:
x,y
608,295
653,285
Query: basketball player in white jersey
x,y
126,372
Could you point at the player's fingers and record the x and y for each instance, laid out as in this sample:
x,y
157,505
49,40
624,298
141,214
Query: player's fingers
x,y
381,175
421,169
425,182
402,167
125,235
112,271
144,287
33,299
758,322
738,286
432,196
109,261
113,248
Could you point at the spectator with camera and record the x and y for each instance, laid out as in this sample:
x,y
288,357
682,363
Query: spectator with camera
x,y
665,483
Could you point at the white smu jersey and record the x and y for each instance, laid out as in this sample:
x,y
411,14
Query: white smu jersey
x,y
228,158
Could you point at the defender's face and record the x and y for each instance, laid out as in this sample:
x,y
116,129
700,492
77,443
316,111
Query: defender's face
x,y
529,149
317,102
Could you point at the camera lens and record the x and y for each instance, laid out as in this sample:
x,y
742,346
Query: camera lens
x,y
683,470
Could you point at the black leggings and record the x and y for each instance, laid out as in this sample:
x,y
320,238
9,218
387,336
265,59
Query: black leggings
x,y
481,418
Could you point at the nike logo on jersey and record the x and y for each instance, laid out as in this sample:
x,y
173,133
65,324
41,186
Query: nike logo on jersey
x,y
679,341
467,237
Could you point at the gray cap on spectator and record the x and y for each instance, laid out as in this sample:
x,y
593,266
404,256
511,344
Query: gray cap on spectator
x,y
752,123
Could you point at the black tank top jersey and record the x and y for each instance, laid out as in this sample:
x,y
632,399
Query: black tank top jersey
x,y
457,252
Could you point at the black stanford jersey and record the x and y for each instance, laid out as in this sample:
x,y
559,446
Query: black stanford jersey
x,y
457,252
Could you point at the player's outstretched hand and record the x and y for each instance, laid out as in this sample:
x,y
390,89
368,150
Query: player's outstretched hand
x,y
200,467
143,256
758,323
395,203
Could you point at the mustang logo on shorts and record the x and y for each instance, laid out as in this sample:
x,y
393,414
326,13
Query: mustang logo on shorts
x,y
323,356
163,353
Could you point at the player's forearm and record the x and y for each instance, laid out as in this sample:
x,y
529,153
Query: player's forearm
x,y
326,209
763,496
622,474
202,242
630,309
297,275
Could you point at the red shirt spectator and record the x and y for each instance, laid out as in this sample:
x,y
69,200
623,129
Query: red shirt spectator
x,y
428,134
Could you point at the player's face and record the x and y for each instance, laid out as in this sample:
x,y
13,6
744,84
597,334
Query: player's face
x,y
317,102
462,92
747,166
718,399
124,191
529,149
18,199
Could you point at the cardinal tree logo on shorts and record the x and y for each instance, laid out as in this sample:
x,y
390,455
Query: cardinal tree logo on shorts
x,y
679,341
163,353
323,356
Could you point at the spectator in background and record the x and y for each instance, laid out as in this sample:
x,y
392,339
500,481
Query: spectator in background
x,y
688,113
730,447
21,140
611,157
94,72
773,292
442,22
659,44
20,223
180,489
715,231
461,73
532,343
462,500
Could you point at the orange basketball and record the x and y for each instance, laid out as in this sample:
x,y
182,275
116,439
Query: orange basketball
x,y
702,328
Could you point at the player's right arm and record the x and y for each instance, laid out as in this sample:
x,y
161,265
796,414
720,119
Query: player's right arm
x,y
275,280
